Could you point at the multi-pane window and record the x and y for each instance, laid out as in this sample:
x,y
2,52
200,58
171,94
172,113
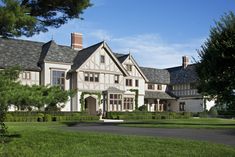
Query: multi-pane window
x,y
115,102
129,67
91,77
96,76
58,78
151,86
116,78
86,76
128,82
159,87
26,75
128,103
182,106
102,59
137,83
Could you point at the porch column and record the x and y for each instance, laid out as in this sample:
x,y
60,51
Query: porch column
x,y
158,104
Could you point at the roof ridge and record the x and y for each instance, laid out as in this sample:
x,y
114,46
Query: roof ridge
x,y
181,66
92,46
24,40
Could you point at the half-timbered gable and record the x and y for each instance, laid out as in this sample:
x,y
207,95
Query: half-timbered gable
x,y
100,70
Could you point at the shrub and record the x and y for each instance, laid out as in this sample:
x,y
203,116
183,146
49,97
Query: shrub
x,y
187,114
9,117
40,117
143,108
47,118
203,114
213,112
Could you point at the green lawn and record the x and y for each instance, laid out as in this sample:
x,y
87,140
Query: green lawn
x,y
201,123
50,140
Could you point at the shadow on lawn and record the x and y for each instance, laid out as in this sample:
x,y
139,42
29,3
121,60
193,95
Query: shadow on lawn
x,y
99,123
8,138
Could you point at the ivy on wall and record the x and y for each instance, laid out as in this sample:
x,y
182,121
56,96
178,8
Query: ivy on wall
x,y
82,100
136,97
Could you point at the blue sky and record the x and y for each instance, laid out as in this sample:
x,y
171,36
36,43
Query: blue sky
x,y
156,32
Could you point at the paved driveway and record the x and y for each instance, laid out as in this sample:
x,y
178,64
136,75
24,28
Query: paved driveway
x,y
223,136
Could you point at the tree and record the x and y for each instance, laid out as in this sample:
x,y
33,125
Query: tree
x,y
216,65
29,17
7,86
26,97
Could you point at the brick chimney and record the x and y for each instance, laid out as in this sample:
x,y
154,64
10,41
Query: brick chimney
x,y
76,41
185,61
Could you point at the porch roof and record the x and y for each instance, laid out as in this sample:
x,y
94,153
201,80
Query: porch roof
x,y
157,95
114,90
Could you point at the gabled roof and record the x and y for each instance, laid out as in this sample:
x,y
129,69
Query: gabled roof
x,y
83,55
121,57
20,52
181,75
56,53
160,76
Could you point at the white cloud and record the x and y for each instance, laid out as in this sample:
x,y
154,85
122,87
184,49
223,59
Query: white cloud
x,y
152,51
100,35
148,49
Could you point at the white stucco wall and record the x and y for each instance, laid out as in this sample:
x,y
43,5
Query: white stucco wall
x,y
33,78
106,71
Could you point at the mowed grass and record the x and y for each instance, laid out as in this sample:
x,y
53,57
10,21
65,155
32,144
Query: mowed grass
x,y
199,123
51,140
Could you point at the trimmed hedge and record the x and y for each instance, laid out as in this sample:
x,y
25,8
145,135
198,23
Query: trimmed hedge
x,y
48,116
138,115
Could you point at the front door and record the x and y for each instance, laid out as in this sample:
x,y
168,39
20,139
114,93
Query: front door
x,y
90,105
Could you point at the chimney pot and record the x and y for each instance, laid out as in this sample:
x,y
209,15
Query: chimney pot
x,y
76,41
185,61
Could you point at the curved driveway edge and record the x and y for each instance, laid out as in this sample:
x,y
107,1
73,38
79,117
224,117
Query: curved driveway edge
x,y
222,136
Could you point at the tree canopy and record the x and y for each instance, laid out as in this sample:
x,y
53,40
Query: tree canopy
x,y
28,17
25,97
216,66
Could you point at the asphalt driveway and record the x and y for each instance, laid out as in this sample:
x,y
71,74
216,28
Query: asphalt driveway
x,y
222,136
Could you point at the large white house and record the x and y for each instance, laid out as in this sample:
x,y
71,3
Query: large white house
x,y
103,79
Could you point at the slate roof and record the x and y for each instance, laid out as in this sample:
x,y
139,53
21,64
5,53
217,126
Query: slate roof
x,y
57,53
114,90
84,54
20,52
181,75
28,54
121,57
157,95
159,76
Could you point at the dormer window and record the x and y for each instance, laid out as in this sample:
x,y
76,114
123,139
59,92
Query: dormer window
x,y
159,87
151,86
129,67
102,59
